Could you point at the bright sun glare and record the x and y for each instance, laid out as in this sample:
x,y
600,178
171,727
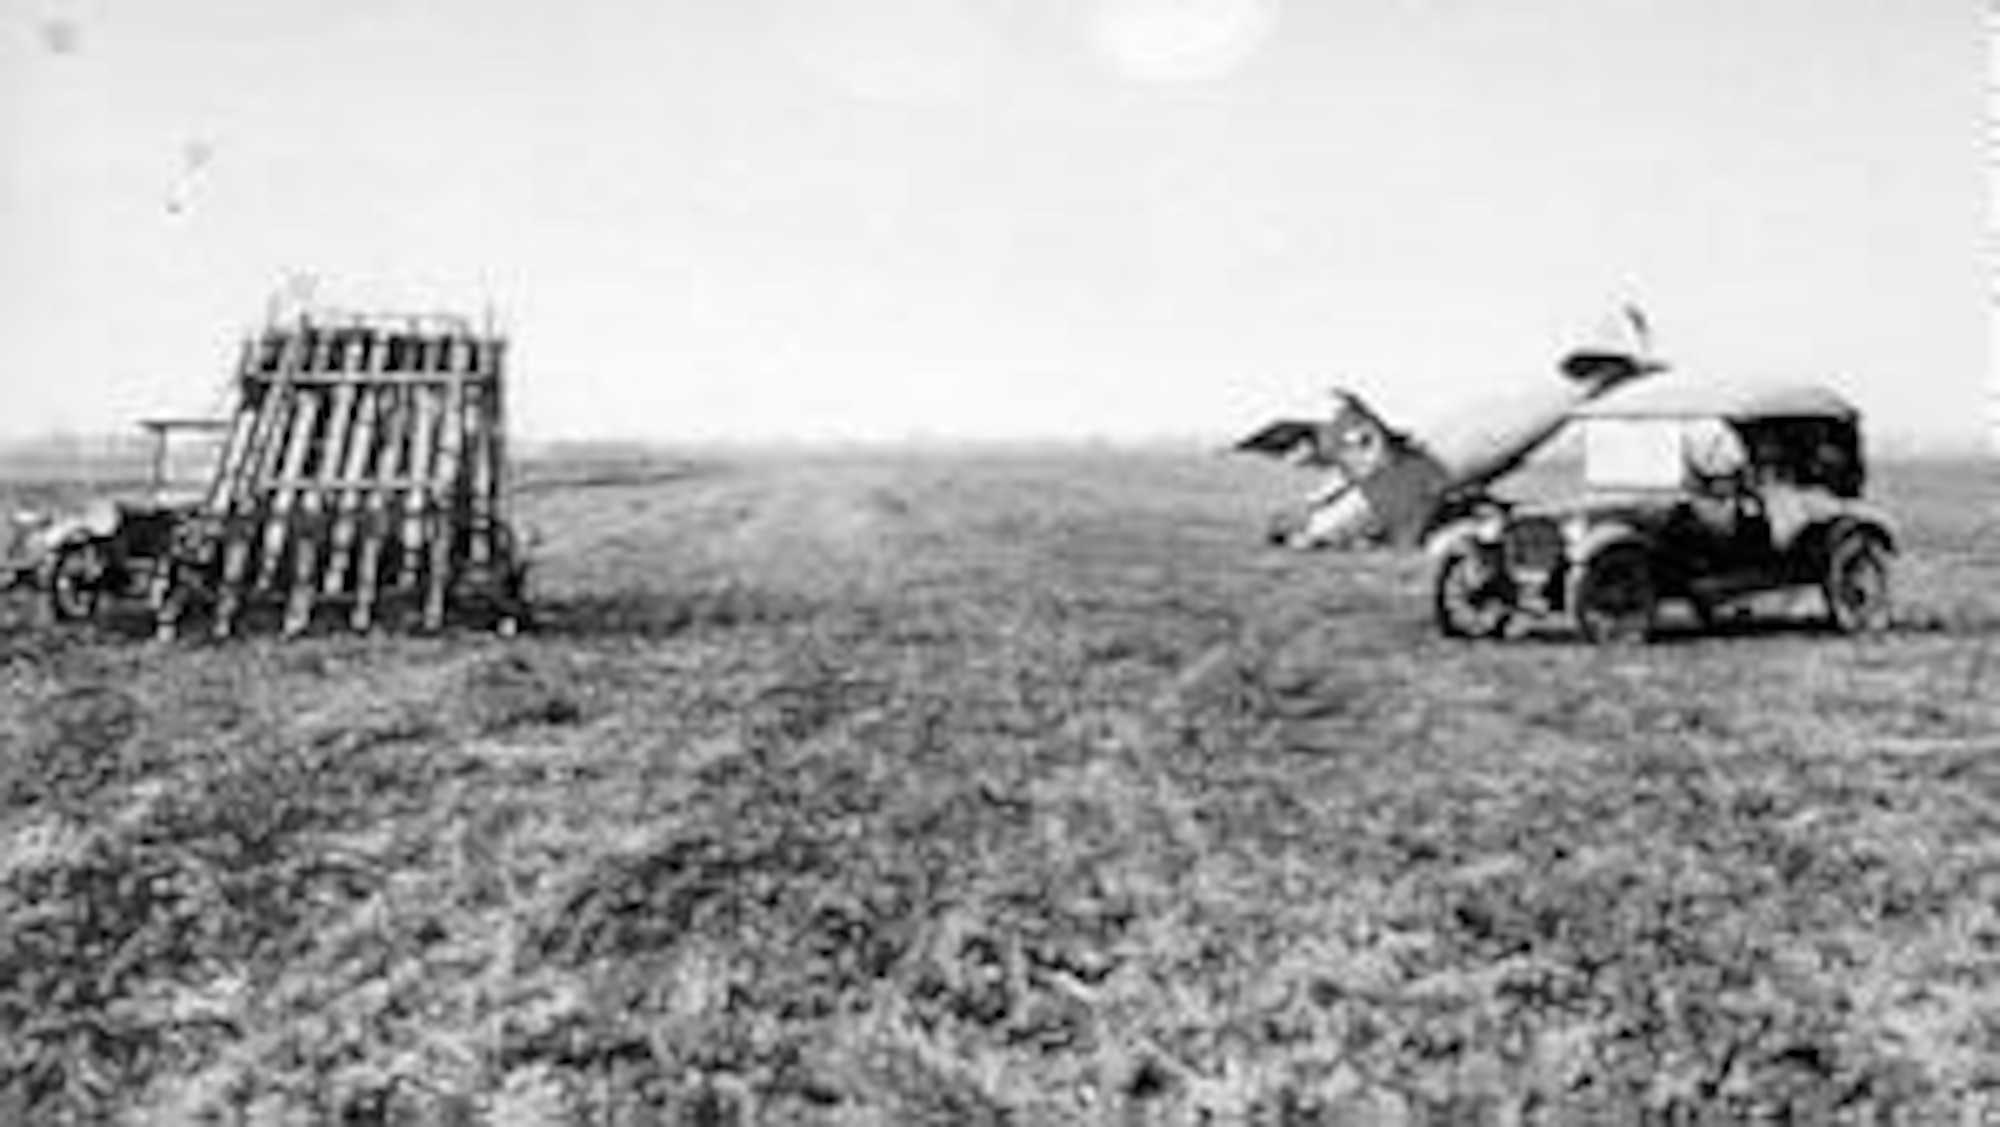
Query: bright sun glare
x,y
1179,40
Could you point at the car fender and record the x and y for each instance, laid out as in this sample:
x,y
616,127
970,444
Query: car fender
x,y
1595,539
1868,519
95,521
1814,544
1805,524
1592,542
1483,529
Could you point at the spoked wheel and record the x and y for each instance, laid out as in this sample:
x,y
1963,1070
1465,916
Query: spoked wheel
x,y
76,580
1857,585
1471,598
1614,599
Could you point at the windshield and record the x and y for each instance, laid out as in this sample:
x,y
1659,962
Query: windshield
x,y
184,460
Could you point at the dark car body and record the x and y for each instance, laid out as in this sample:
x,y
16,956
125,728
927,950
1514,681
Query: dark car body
x,y
111,546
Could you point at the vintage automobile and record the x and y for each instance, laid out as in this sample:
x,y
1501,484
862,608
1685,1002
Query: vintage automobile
x,y
109,545
1701,494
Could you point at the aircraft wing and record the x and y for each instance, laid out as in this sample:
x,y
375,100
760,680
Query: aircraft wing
x,y
1283,439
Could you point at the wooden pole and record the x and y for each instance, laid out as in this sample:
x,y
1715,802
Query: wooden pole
x,y
362,450
314,509
478,471
298,447
444,492
506,567
394,445
497,514
247,503
422,470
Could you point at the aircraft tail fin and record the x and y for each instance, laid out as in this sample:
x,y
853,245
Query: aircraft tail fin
x,y
1391,482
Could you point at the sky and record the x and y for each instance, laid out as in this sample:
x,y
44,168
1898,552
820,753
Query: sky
x,y
704,219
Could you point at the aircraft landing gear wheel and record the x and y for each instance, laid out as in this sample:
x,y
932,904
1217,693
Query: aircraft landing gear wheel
x,y
1470,600
1857,586
1282,526
1614,599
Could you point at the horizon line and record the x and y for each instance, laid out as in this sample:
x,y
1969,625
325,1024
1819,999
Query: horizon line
x,y
59,444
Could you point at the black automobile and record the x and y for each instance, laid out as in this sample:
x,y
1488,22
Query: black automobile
x,y
1698,494
110,546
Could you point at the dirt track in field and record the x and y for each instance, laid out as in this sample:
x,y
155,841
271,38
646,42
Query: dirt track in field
x,y
1005,788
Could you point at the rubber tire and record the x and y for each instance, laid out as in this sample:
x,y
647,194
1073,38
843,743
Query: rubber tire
x,y
1450,574
1624,566
1282,527
1856,585
75,582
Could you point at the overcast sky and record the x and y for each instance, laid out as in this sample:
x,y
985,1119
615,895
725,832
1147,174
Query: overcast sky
x,y
996,217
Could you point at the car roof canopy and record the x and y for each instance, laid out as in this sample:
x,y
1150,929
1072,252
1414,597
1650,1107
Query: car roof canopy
x,y
1671,397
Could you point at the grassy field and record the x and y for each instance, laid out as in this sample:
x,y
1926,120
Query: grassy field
x,y
1023,788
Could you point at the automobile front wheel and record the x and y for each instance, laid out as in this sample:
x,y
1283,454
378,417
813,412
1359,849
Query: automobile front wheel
x,y
1857,585
1614,599
1470,597
76,579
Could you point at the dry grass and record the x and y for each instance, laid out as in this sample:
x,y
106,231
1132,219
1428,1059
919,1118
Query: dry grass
x,y
1024,789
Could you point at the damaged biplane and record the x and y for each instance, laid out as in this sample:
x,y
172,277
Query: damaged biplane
x,y
1386,486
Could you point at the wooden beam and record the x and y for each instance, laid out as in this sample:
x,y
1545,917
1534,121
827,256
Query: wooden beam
x,y
417,502
444,499
394,445
396,377
298,447
242,520
315,499
363,450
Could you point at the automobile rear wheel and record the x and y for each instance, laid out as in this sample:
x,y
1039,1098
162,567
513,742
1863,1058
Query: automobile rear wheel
x,y
1857,585
1471,598
1614,599
76,580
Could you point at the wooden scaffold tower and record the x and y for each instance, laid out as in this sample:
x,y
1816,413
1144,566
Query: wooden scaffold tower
x,y
364,476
